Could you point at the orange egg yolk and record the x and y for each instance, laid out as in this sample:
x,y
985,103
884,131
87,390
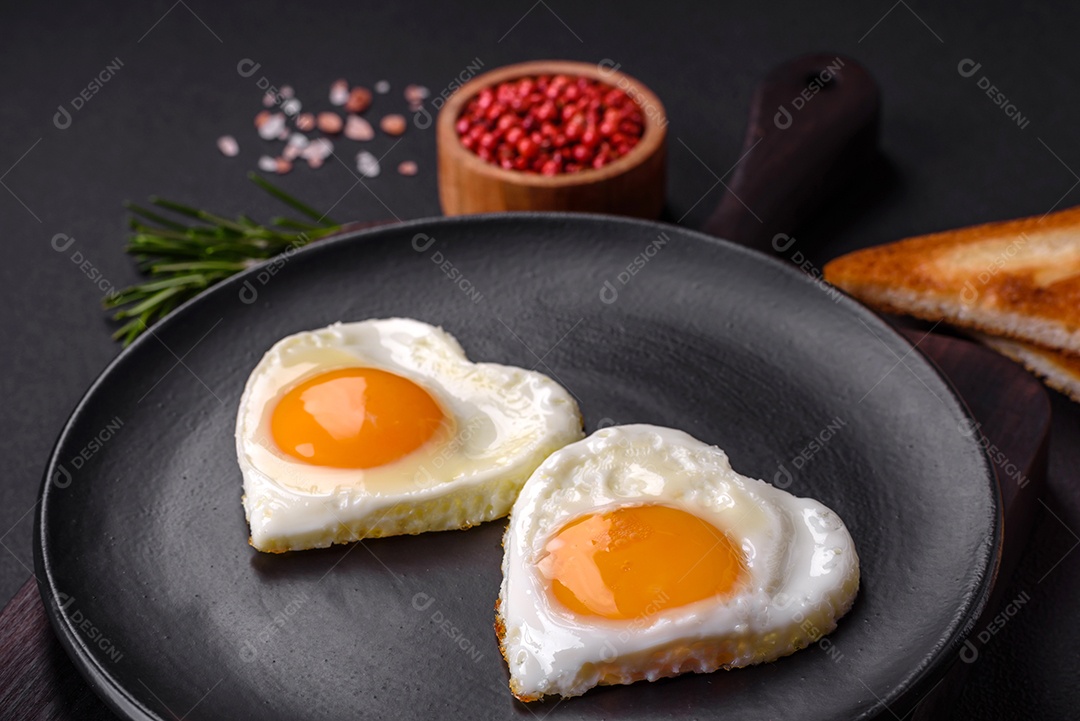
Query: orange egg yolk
x,y
355,418
635,561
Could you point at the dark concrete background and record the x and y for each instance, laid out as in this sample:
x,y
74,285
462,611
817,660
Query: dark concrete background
x,y
955,158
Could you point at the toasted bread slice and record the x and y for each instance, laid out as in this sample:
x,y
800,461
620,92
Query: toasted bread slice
x,y
1060,371
1019,278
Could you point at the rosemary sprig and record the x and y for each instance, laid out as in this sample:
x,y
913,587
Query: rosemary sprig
x,y
186,255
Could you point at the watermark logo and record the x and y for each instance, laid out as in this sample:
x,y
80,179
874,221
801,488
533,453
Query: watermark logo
x,y
249,293
429,475
62,477
422,602
249,649
814,85
969,653
608,68
782,242
423,118
814,634
968,68
247,67
93,635
970,429
609,652
970,293
609,291
422,243
63,117
783,478
62,242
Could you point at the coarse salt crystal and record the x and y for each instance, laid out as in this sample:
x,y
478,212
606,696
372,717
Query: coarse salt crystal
x,y
305,122
228,146
272,126
359,100
291,106
320,148
415,96
357,128
382,87
407,167
393,124
267,164
367,164
416,93
329,123
339,92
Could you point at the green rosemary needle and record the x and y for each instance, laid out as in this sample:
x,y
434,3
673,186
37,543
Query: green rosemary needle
x,y
185,254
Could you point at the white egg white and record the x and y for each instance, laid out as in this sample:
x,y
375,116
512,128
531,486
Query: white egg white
x,y
802,568
504,421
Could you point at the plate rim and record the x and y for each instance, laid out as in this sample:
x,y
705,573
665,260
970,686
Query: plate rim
x,y
934,666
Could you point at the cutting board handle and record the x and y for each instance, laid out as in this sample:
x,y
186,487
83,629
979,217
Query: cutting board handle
x,y
813,125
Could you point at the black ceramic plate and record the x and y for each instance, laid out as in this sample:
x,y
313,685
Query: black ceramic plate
x,y
152,587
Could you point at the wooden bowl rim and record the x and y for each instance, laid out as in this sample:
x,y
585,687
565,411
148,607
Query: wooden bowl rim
x,y
651,140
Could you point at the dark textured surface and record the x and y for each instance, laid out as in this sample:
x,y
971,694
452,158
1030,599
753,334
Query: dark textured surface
x,y
689,342
952,158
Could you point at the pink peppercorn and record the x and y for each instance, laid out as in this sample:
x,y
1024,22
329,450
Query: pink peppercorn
x,y
550,124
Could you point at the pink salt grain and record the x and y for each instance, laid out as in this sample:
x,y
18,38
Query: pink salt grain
x,y
393,124
329,123
228,146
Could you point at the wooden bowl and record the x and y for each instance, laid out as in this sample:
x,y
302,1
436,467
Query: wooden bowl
x,y
632,185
